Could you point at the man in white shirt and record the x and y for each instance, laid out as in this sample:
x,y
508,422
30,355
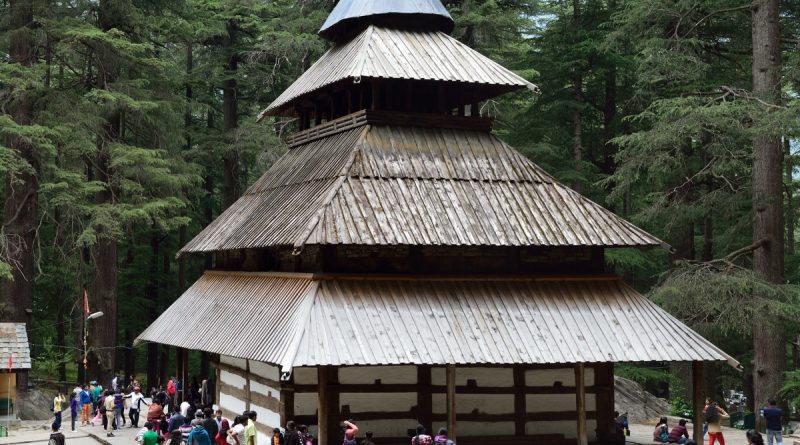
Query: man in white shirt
x,y
185,408
133,412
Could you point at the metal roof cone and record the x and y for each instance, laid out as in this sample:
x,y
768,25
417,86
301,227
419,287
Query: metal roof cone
x,y
351,16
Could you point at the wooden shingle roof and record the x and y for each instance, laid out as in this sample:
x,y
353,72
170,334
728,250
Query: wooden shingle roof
x,y
318,320
14,344
384,53
405,185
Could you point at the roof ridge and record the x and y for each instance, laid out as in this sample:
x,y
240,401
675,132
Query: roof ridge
x,y
334,190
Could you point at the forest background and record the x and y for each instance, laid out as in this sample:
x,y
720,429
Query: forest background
x,y
128,125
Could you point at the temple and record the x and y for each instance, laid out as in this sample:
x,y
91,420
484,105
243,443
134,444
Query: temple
x,y
401,265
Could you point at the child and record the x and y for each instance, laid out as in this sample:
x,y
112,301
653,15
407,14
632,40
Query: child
x,y
73,409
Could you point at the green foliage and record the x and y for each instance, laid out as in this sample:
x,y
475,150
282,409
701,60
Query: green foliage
x,y
790,391
651,378
680,407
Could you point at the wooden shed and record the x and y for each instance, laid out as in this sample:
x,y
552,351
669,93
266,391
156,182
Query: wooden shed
x,y
402,265
15,357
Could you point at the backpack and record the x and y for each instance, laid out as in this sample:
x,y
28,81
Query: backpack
x,y
664,435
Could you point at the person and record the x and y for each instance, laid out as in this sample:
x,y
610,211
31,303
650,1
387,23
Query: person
x,y
441,438
198,435
754,437
350,430
175,438
714,417
58,407
277,437
421,438
163,424
774,416
236,432
119,410
250,429
185,429
56,438
661,432
86,405
368,440
205,394
679,434
705,409
176,420
291,436
73,409
185,408
154,412
210,423
109,406
223,425
137,398
97,396
305,437
150,437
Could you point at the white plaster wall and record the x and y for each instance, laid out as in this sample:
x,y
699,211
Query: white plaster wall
x,y
305,404
264,370
371,402
231,379
569,428
484,403
266,417
233,361
536,403
485,428
368,374
264,389
305,376
548,377
482,376
231,403
386,428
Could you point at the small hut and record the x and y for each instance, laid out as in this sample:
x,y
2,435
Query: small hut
x,y
15,357
401,265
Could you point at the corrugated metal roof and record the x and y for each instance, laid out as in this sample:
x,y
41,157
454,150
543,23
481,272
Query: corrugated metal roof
x,y
297,320
349,13
14,342
248,315
469,213
382,184
384,53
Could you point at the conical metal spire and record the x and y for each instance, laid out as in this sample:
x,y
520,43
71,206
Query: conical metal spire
x,y
351,16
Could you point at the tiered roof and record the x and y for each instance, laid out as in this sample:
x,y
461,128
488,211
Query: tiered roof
x,y
387,185
319,320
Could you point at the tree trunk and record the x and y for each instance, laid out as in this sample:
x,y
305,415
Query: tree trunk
x,y
103,293
790,205
769,345
577,124
152,295
182,231
230,110
21,196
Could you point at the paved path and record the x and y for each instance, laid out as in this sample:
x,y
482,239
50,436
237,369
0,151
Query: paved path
x,y
643,435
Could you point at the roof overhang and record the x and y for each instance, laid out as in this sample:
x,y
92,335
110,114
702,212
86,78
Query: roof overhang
x,y
301,320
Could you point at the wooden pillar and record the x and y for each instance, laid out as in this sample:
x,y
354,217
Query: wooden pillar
x,y
323,435
520,406
185,374
698,401
580,399
604,396
424,397
451,402
248,398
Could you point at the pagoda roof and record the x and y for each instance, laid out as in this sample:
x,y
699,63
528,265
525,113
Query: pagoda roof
x,y
383,184
385,53
318,320
350,15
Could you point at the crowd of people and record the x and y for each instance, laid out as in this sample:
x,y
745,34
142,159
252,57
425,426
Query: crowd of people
x,y
713,416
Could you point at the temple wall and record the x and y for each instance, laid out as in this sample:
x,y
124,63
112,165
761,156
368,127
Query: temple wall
x,y
384,399
257,390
